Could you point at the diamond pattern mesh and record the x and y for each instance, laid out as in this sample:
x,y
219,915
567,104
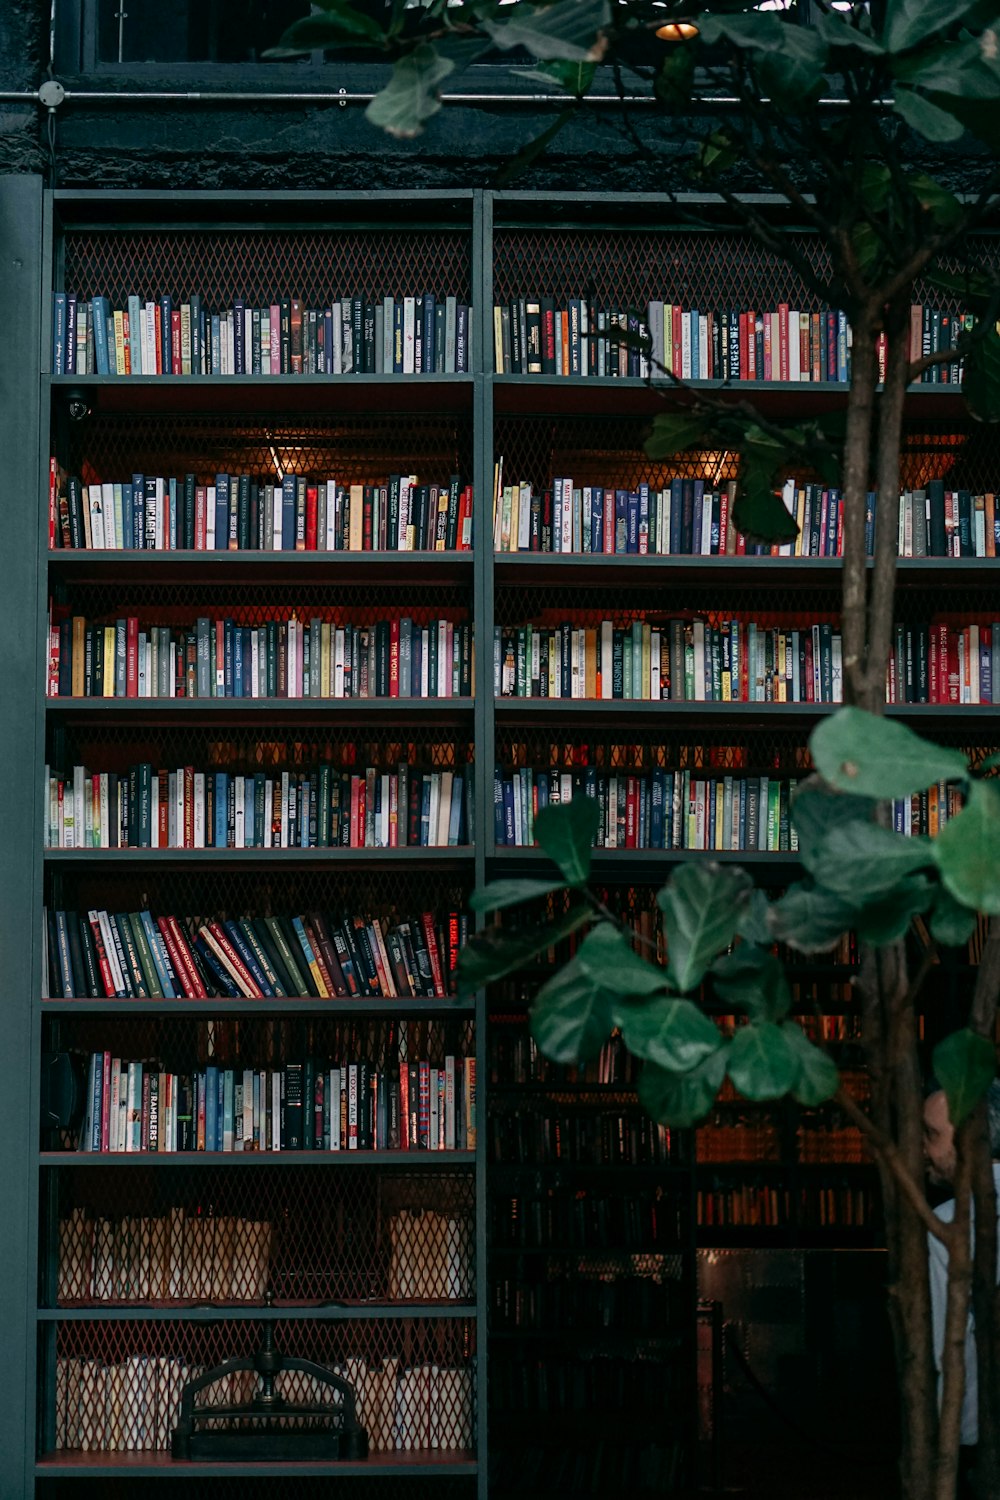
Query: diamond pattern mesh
x,y
368,1487
753,751
180,603
209,1237
118,1384
263,264
351,449
609,451
706,269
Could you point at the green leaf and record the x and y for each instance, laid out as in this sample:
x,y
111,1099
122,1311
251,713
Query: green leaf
x,y
909,23
568,30
967,850
951,924
759,512
409,99
818,1077
886,920
609,958
338,25
501,893
869,249
965,72
717,153
943,207
754,980
672,432
863,862
534,148
492,954
817,809
673,1034
574,77
759,32
965,1065
566,832
989,762
752,920
839,30
700,906
811,919
927,119
794,71
571,1017
875,757
981,380
762,1062
682,1099
675,80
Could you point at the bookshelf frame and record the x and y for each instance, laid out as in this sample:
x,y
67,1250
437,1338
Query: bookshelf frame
x,y
33,223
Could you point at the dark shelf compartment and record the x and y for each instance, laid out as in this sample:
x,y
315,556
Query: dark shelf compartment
x,y
747,1237
259,394
262,711
623,1174
647,864
675,711
409,569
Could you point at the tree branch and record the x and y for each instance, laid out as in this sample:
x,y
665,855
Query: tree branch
x,y
886,1150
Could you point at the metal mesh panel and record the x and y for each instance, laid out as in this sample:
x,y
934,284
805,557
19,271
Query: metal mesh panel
x,y
218,1237
204,892
705,270
351,449
180,603
414,1378
264,264
608,451
715,749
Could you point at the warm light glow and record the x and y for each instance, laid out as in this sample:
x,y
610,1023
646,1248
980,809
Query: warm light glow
x,y
677,31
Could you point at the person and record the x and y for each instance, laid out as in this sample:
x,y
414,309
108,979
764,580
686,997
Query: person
x,y
939,1151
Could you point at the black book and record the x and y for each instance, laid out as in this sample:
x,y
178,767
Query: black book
x,y
938,537
292,1096
83,955
369,337
74,497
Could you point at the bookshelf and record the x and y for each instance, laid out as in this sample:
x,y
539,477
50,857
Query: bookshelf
x,y
335,1220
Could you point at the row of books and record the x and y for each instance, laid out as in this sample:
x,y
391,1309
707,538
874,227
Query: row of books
x,y
138,1106
639,1219
323,808
696,659
178,1256
545,335
693,517
614,1137
626,1303
422,334
749,1205
515,1059
399,657
133,1406
656,810
945,663
239,512
132,955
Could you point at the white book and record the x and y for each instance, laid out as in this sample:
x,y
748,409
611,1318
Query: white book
x,y
702,346
789,499
794,347
686,346
409,334
337,337
330,534
567,516
210,518
524,519
118,979
96,507
248,341
199,809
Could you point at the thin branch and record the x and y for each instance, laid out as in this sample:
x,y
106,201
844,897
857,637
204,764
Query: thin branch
x,y
885,1148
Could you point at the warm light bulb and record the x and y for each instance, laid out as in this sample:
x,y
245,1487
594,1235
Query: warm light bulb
x,y
677,31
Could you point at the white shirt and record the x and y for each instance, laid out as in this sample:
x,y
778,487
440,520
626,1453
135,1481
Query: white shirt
x,y
938,1256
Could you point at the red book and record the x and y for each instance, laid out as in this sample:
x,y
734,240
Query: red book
x,y
549,336
127,336
190,978
175,339
802,333
106,1103
752,371
430,938
394,659
744,345
367,543
102,957
170,942
954,647
464,532
824,518
768,366
816,341
356,782
53,499
782,341
218,939
932,669
188,807
810,683
741,544
158,325
312,506
404,1107
630,812
200,518
132,656
723,520
678,320
609,521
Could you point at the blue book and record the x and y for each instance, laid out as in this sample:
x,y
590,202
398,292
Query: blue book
x,y
166,346
397,336
138,511
597,519
656,811
676,513
227,656
248,956
221,512
158,951
425,811
428,334
239,327
221,804
220,1110
135,337
498,834
288,513
99,314
238,661
216,345
632,522
211,1106
59,334
508,813
695,345
455,811
172,500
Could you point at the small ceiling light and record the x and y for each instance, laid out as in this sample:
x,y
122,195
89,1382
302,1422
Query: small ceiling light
x,y
677,31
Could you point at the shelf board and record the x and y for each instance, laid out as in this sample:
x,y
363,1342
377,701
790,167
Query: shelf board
x,y
530,395
594,570
456,857
594,1253
255,394
748,1237
429,1462
214,1312
624,1173
409,569
675,711
262,711
292,1005
238,1159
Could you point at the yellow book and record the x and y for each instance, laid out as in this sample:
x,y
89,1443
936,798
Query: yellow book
x,y
355,539
325,657
590,655
646,648
108,688
119,322
498,340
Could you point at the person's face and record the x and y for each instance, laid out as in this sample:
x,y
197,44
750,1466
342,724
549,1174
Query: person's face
x,y
939,1139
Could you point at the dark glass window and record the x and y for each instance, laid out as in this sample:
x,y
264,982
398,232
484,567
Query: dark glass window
x,y
165,31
